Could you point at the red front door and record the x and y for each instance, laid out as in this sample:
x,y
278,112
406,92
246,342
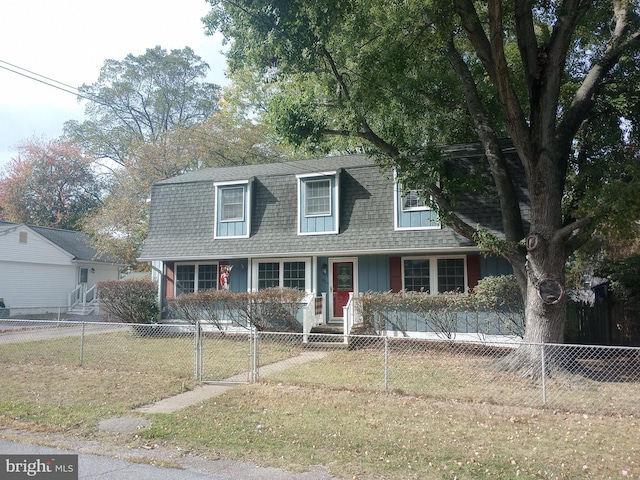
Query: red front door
x,y
342,286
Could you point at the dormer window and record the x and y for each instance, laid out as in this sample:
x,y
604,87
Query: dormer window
x,y
318,197
410,210
233,200
412,200
318,203
232,204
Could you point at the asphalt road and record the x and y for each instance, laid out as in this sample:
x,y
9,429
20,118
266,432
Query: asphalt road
x,y
21,332
97,467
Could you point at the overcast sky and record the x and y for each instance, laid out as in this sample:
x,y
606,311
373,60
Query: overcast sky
x,y
69,40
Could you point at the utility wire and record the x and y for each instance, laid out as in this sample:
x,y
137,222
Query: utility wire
x,y
242,151
49,82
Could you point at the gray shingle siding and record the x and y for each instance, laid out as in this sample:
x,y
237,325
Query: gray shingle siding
x,y
182,214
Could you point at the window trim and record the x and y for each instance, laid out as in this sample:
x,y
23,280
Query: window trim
x,y
334,186
306,197
282,260
246,211
398,209
433,271
222,204
195,275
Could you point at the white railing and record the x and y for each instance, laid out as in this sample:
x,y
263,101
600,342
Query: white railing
x,y
312,313
350,316
81,296
75,296
90,295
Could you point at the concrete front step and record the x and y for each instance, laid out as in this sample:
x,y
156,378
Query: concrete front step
x,y
328,329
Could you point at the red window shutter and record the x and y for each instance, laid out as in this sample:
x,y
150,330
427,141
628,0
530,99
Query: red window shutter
x,y
169,277
395,271
473,271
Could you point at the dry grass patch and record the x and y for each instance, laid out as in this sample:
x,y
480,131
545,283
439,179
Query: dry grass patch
x,y
442,375
446,415
363,435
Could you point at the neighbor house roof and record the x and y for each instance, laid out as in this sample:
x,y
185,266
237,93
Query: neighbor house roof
x,y
77,244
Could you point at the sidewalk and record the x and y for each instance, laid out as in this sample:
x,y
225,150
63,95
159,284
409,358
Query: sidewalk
x,y
204,392
111,462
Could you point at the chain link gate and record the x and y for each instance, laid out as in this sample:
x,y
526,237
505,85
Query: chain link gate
x,y
225,356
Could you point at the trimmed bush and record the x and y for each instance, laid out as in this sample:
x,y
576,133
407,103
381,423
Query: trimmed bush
x,y
268,310
495,307
132,301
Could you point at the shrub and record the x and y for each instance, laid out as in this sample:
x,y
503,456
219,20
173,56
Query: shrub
x,y
500,296
207,305
269,310
393,311
132,301
496,306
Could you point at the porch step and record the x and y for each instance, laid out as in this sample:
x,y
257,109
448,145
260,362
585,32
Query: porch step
x,y
326,329
87,309
326,337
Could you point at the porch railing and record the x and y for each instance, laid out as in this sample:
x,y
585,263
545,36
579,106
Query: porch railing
x,y
351,316
312,313
81,296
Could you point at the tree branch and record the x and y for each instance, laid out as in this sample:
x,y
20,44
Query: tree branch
x,y
491,54
585,97
509,204
527,42
567,230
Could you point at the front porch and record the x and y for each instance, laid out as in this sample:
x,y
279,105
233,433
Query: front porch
x,y
83,300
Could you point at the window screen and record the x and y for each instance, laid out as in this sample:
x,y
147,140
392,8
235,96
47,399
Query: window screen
x,y
317,197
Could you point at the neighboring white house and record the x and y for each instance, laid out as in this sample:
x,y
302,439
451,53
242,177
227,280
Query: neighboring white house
x,y
48,268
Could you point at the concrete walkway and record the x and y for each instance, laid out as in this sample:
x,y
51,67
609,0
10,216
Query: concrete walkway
x,y
204,392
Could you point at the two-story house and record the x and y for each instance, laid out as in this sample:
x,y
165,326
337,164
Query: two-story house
x,y
330,226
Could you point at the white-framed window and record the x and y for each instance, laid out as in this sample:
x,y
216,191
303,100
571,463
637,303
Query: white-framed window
x,y
318,212
232,209
232,204
411,209
412,200
434,274
193,277
317,197
285,273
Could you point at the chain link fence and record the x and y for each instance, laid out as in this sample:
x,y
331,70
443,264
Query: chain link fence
x,y
573,378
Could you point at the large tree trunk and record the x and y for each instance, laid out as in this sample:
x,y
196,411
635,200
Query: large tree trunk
x,y
544,269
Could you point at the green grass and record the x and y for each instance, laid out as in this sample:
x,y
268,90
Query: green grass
x,y
445,415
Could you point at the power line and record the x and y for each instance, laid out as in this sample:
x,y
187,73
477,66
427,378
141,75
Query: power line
x,y
47,81
37,74
210,139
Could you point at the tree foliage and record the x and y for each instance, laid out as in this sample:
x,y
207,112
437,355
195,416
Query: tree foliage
x,y
51,184
120,226
142,97
558,78
624,274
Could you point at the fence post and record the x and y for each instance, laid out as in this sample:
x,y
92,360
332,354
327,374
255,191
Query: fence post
x,y
197,364
386,363
253,349
82,344
544,375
